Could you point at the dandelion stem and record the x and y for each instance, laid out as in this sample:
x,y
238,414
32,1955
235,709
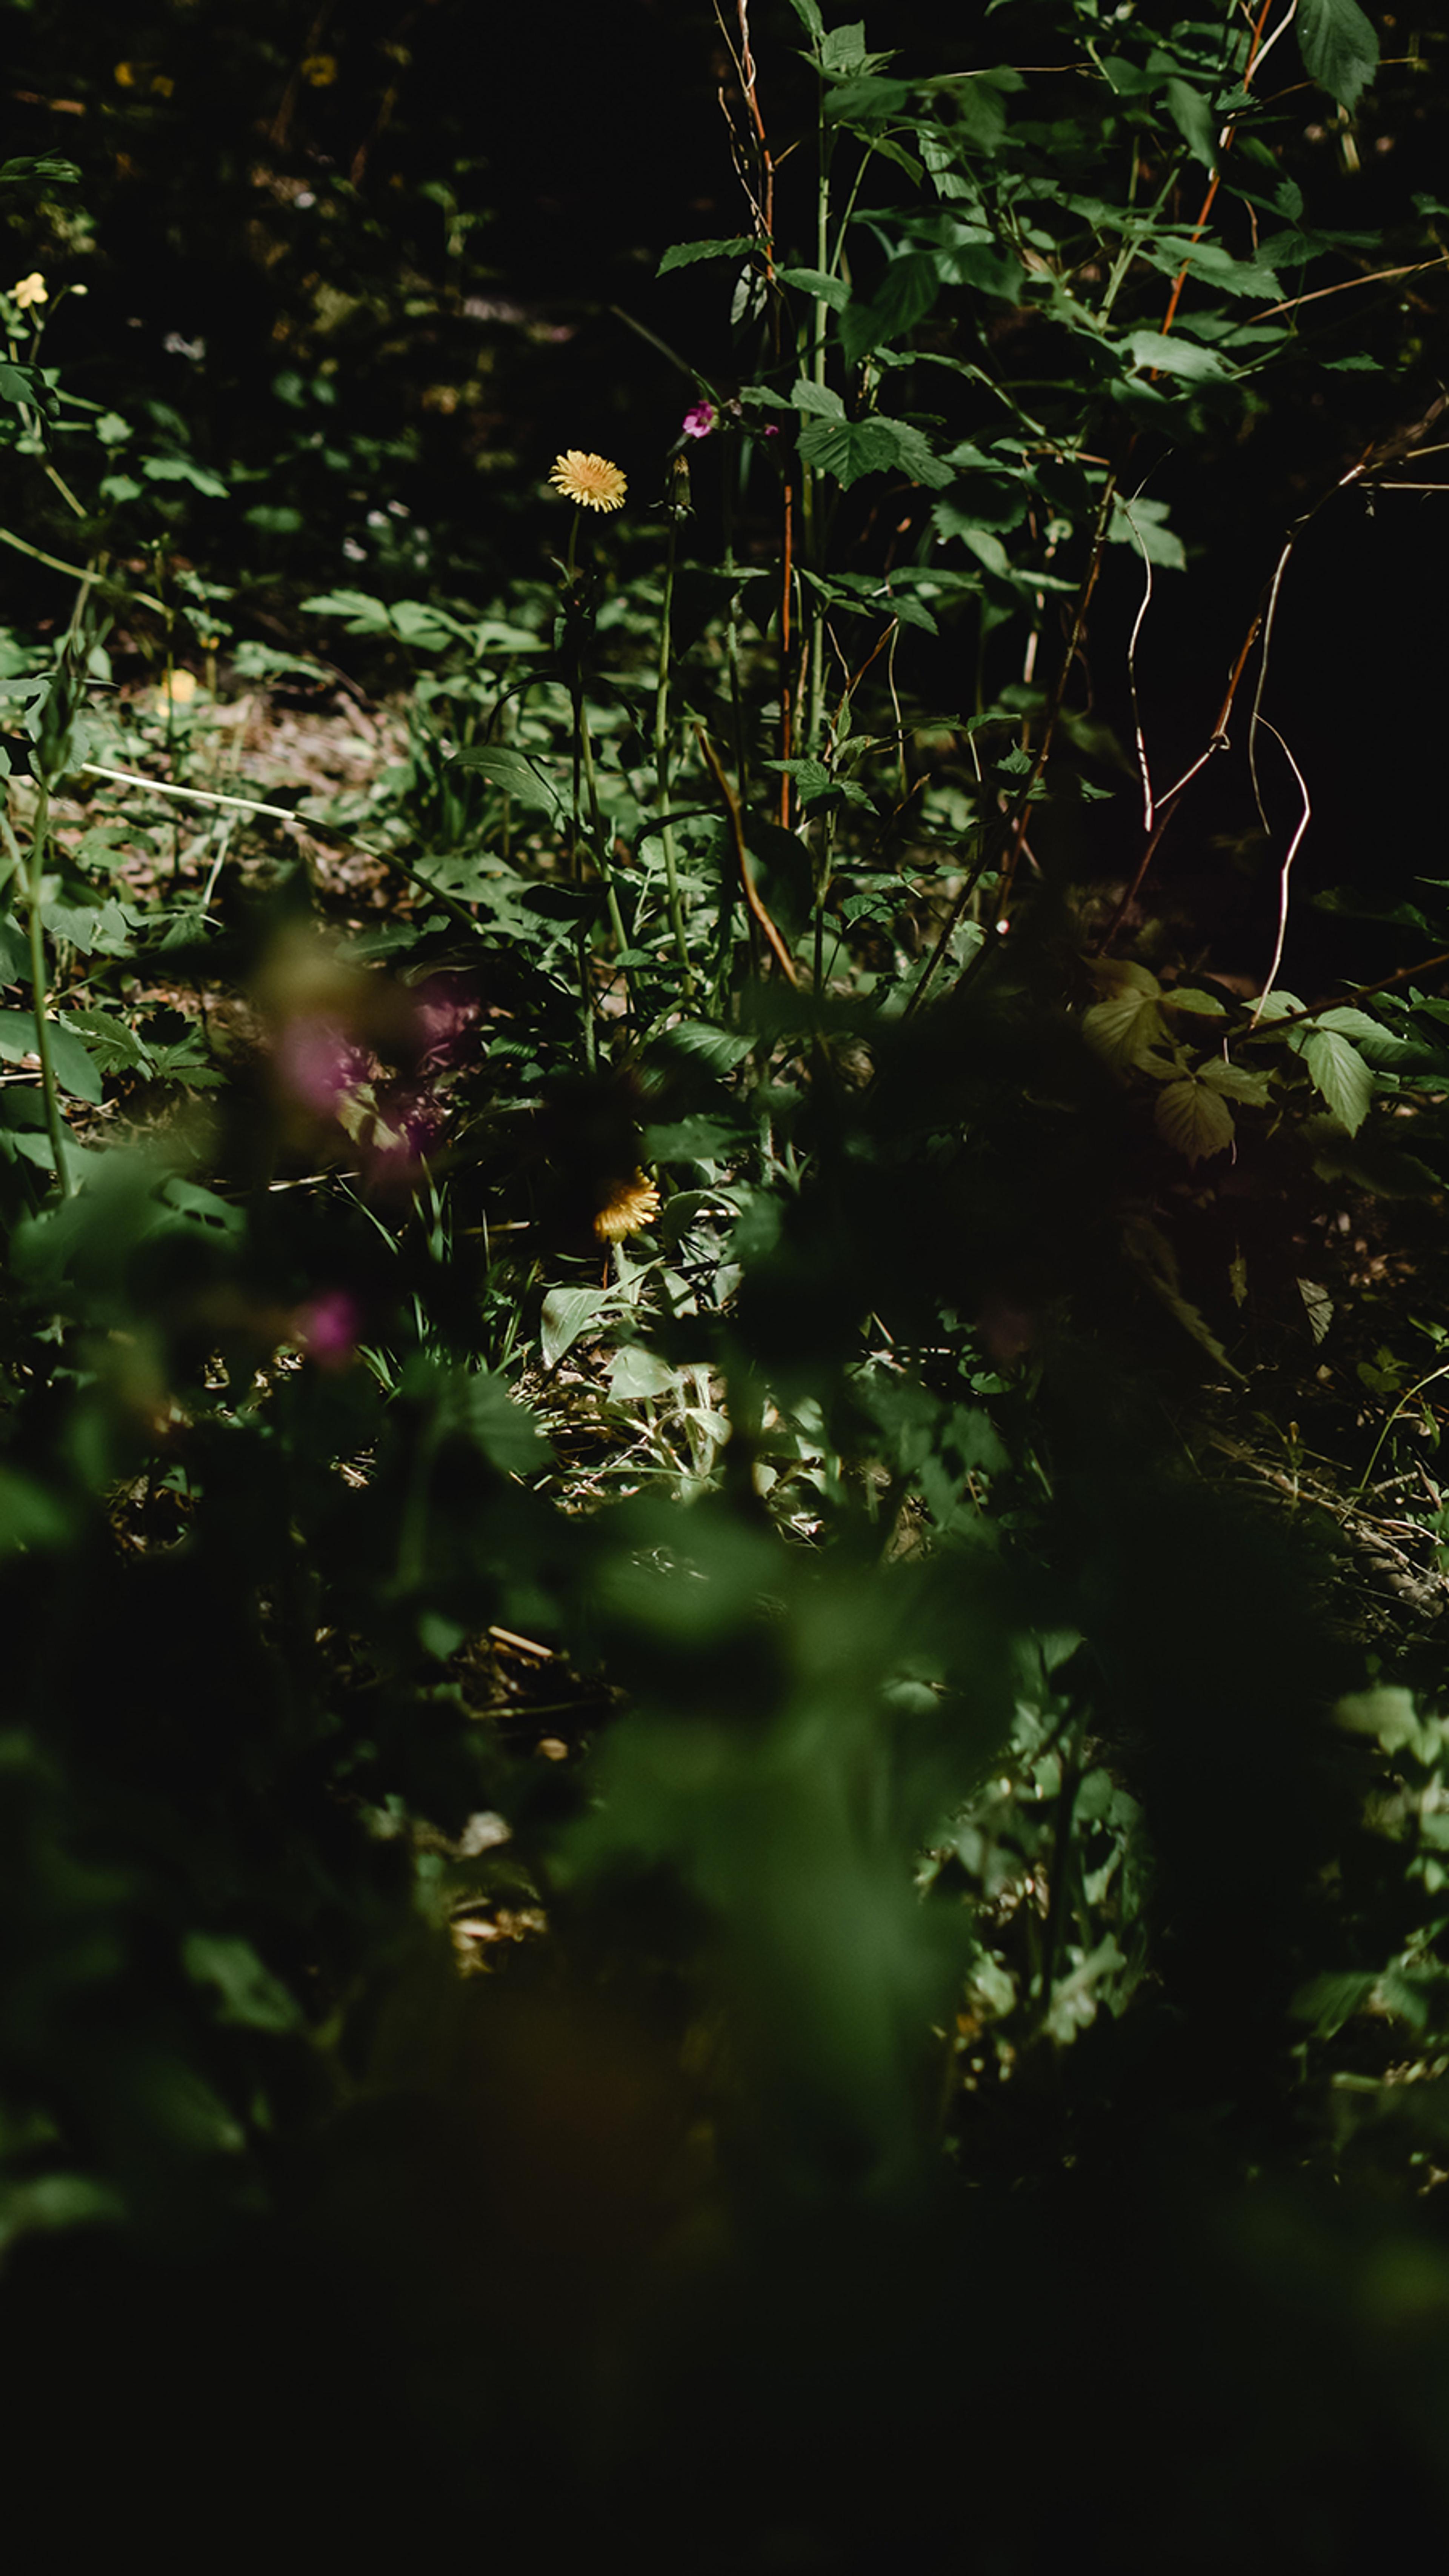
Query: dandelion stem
x,y
30,878
661,748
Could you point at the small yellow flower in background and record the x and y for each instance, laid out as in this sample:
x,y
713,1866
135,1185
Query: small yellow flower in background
x,y
163,84
591,481
319,70
126,75
30,290
631,1207
181,688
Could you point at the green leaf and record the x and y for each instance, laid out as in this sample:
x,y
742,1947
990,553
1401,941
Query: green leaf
x,y
1125,1025
685,255
1193,117
636,1376
1173,356
74,1070
568,1312
251,1996
1193,1118
29,1515
850,449
508,1433
808,13
365,615
691,1140
1327,2002
180,469
845,52
1340,1076
822,400
907,291
813,281
1339,47
1186,997
1236,1082
112,1041
1142,523
514,773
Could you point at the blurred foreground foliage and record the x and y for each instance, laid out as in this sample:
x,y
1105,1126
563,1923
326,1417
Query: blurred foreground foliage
x,y
724,1790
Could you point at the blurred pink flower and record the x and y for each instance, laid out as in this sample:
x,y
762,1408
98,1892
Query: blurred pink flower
x,y
405,1135
446,1008
327,1328
698,421
317,1064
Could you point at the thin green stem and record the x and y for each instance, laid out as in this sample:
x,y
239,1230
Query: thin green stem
x,y
661,749
55,1124
75,572
1406,1399
601,841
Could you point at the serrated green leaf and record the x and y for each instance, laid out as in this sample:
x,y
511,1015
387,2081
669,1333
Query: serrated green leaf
x,y
686,254
813,281
808,13
906,293
1124,1028
1173,356
821,400
1235,1081
1194,1119
1142,523
515,773
1328,2001
1340,1077
1339,47
1192,114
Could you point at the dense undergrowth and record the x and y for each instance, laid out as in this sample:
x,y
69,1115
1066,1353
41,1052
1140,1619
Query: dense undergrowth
x,y
726,1814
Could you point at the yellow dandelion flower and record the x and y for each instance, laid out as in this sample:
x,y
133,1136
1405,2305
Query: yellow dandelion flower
x,y
629,1208
590,481
30,290
319,71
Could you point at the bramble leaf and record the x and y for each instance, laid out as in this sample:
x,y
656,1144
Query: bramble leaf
x,y
1193,1117
1339,47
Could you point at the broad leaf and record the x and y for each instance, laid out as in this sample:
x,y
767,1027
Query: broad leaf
x,y
1193,117
514,773
1339,47
74,1070
1341,1077
813,281
1194,1119
568,1312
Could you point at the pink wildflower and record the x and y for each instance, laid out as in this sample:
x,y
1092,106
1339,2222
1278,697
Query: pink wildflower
x,y
699,420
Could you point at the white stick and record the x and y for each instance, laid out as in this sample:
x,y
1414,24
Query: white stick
x,y
194,795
